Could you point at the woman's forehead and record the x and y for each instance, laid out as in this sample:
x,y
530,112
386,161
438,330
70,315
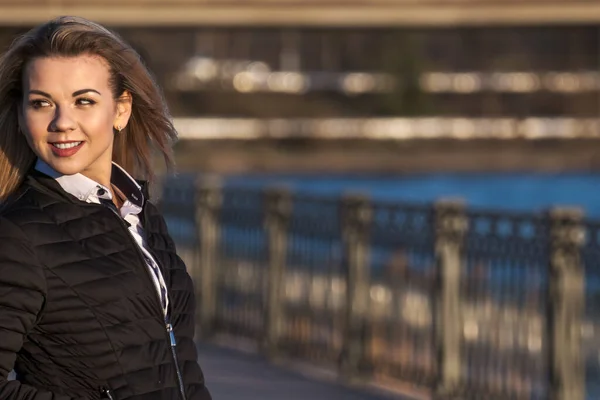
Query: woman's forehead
x,y
67,72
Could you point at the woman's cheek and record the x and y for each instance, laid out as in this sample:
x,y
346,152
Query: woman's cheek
x,y
37,124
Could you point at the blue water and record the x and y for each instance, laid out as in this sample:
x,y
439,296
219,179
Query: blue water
x,y
522,192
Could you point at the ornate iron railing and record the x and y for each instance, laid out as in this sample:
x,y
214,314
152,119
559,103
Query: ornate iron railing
x,y
471,303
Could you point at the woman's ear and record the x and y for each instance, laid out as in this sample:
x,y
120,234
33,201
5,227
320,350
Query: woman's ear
x,y
124,107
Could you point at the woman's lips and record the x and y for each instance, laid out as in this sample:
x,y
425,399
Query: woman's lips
x,y
65,149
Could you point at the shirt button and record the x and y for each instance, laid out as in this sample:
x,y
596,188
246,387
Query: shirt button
x,y
101,192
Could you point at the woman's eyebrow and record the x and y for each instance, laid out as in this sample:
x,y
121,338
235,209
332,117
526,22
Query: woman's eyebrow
x,y
82,91
76,93
40,93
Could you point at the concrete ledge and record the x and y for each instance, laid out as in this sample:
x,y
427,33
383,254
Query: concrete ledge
x,y
388,157
269,13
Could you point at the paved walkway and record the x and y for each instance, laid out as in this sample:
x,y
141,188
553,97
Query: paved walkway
x,y
232,375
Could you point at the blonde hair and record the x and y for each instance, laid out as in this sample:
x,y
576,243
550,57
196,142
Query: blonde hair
x,y
149,128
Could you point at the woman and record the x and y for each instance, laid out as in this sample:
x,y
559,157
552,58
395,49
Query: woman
x,y
94,302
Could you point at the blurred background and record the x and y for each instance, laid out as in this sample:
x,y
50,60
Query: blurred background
x,y
285,106
404,98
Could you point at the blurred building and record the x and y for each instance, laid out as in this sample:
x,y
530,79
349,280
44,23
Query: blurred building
x,y
391,70
284,58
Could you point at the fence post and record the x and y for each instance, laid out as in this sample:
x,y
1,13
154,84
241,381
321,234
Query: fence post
x,y
356,217
451,225
567,301
208,205
277,219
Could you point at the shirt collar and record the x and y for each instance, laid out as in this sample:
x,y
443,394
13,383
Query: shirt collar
x,y
90,191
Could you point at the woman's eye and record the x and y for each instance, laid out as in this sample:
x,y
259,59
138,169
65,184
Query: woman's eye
x,y
39,104
85,102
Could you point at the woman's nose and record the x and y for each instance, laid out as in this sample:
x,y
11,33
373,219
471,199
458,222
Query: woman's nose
x,y
63,121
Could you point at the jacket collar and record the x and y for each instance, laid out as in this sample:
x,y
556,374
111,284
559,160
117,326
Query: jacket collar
x,y
46,179
86,189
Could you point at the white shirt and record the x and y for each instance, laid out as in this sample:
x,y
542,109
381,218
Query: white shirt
x,y
89,191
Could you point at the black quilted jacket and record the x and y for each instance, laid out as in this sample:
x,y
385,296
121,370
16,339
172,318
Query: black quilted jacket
x,y
79,315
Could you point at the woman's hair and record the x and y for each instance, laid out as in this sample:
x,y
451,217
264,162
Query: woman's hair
x,y
149,128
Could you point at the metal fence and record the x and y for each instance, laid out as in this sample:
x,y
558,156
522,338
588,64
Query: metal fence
x,y
467,303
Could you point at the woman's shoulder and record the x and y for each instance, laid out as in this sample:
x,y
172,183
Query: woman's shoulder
x,y
15,201
13,213
154,216
23,204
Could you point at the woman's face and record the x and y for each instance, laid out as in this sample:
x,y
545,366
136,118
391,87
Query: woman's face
x,y
69,113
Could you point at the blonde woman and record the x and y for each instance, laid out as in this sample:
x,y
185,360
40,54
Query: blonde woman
x,y
94,302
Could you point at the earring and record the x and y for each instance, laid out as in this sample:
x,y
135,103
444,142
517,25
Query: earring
x,y
119,128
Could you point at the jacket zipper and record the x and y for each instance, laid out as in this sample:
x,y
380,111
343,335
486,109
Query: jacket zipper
x,y
106,393
174,352
169,328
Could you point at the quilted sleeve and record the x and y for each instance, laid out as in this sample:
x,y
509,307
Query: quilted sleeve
x,y
22,295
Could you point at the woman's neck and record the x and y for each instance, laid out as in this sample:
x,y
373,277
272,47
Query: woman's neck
x,y
103,177
117,196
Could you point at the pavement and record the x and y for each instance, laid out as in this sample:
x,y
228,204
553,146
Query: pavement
x,y
234,375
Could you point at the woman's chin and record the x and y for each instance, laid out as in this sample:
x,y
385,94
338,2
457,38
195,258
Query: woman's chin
x,y
65,167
